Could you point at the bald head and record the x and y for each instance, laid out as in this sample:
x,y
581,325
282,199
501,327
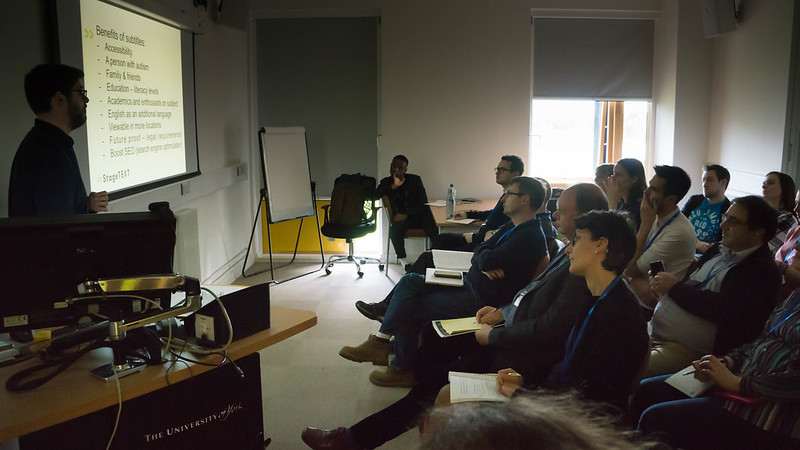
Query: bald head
x,y
576,200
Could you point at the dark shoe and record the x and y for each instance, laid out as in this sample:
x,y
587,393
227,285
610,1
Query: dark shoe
x,y
337,439
391,377
374,350
372,311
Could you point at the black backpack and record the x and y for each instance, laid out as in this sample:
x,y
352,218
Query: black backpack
x,y
350,193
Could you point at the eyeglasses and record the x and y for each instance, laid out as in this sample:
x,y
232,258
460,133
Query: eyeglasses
x,y
501,170
732,221
512,193
82,91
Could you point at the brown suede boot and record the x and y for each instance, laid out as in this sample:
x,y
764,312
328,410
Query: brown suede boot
x,y
392,377
374,350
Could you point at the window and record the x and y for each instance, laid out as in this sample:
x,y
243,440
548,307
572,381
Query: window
x,y
569,138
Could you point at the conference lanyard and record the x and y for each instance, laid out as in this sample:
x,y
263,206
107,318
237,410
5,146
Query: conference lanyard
x,y
506,234
650,240
556,263
572,342
792,251
713,273
791,310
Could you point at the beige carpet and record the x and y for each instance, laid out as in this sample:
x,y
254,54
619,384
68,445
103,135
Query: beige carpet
x,y
304,380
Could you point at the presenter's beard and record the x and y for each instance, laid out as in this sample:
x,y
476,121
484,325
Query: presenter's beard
x,y
77,115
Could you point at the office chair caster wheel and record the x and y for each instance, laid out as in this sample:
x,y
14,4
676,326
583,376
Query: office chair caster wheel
x,y
380,267
360,274
327,271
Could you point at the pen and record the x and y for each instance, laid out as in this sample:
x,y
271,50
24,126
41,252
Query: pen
x,y
690,372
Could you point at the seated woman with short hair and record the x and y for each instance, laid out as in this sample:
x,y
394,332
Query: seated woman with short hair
x,y
608,346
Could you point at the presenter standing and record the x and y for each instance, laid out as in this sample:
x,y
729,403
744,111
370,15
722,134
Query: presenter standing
x,y
45,177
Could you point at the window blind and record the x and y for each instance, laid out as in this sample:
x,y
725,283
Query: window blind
x,y
604,59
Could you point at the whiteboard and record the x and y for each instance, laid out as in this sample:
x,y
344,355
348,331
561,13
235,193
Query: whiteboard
x,y
286,173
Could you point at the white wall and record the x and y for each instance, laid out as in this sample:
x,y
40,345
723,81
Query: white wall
x,y
749,86
692,98
455,83
665,67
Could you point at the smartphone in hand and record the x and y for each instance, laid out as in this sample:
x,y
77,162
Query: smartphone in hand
x,y
656,267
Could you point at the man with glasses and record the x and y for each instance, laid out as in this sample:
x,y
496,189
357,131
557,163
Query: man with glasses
x,y
538,320
509,167
726,300
45,177
500,267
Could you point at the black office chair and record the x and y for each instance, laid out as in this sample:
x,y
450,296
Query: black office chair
x,y
351,214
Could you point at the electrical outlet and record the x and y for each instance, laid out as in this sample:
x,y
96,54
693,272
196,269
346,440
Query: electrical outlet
x,y
204,327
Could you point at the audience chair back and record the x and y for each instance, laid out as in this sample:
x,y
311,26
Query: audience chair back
x,y
351,214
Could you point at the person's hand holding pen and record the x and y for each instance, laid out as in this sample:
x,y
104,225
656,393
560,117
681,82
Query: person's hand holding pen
x,y
489,315
508,381
710,367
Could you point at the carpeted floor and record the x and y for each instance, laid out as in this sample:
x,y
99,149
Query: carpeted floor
x,y
304,380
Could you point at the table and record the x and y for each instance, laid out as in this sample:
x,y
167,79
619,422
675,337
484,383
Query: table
x,y
440,214
74,393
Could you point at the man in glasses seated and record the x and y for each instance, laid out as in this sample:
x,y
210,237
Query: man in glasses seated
x,y
509,167
45,177
726,300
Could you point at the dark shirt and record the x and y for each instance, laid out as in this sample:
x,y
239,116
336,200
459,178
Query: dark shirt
x,y
410,198
493,219
534,342
634,209
611,354
748,293
516,250
45,177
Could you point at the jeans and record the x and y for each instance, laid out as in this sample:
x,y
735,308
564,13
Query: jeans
x,y
696,423
414,305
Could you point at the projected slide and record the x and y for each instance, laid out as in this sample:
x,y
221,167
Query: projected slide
x,y
135,123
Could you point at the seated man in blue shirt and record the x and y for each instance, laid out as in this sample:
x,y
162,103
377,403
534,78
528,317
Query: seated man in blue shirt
x,y
705,211
537,323
509,167
45,177
376,311
500,267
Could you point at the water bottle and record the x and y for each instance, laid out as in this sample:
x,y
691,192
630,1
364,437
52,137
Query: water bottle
x,y
451,202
